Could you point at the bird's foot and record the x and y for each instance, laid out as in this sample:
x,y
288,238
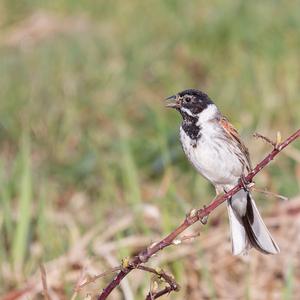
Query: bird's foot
x,y
247,185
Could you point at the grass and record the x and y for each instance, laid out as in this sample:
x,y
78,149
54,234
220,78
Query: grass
x,y
85,139
21,232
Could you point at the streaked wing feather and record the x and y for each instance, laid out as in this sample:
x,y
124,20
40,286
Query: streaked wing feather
x,y
234,136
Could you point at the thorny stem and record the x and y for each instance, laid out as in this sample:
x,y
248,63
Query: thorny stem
x,y
192,218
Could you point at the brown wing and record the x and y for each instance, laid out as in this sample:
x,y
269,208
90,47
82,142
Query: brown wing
x,y
234,135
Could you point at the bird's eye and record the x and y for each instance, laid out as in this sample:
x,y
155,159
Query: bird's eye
x,y
187,100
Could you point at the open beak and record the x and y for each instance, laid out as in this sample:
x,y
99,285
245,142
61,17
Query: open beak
x,y
173,102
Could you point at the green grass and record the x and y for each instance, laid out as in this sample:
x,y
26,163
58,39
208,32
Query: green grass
x,y
81,113
21,232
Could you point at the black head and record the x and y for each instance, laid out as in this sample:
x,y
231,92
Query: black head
x,y
189,102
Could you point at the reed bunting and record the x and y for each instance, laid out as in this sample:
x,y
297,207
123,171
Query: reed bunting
x,y
215,149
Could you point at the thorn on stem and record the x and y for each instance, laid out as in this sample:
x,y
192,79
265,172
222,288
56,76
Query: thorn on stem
x,y
191,215
204,219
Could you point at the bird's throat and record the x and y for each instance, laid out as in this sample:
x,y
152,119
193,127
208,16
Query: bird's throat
x,y
191,128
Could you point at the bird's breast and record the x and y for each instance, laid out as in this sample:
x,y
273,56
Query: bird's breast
x,y
211,156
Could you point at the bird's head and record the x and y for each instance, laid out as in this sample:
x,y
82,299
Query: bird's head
x,y
190,103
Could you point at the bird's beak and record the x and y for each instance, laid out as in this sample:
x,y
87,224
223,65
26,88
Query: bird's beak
x,y
173,102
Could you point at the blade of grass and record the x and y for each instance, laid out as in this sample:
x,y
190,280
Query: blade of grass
x,y
131,180
24,205
130,176
6,210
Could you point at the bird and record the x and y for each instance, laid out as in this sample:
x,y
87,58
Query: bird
x,y
215,149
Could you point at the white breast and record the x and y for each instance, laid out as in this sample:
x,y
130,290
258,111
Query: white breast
x,y
212,156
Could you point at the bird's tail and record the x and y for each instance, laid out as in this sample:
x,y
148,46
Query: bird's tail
x,y
247,227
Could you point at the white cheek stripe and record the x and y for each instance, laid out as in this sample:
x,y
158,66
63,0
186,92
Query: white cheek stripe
x,y
187,111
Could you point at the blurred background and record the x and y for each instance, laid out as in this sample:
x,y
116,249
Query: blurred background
x,y
91,166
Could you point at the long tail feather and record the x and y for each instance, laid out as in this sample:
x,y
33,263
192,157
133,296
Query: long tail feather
x,y
257,232
239,240
247,227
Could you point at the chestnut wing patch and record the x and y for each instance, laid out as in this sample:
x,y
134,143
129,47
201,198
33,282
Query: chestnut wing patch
x,y
234,135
